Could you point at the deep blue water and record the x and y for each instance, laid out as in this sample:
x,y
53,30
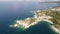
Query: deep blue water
x,y
10,11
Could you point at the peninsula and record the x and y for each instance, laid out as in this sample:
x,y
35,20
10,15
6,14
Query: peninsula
x,y
51,15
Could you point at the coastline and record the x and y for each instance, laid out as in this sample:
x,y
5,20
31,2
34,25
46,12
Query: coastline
x,y
40,15
55,29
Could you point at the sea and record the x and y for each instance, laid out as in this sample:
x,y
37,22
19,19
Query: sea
x,y
12,11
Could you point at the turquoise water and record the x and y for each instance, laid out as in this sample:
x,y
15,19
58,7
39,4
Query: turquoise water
x,y
40,28
11,11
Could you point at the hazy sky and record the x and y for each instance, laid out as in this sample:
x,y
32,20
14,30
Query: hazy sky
x,y
30,0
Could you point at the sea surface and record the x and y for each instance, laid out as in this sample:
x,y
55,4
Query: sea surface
x,y
12,11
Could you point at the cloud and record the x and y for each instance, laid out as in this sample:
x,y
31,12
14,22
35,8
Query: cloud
x,y
55,0
10,0
30,0
22,0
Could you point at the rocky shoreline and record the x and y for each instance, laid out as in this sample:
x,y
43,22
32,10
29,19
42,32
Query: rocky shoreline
x,y
51,15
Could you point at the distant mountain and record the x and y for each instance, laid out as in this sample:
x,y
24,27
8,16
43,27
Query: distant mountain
x,y
51,2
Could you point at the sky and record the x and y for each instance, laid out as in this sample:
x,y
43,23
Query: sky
x,y
30,0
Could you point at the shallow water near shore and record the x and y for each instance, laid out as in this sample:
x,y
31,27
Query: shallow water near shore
x,y
9,14
40,28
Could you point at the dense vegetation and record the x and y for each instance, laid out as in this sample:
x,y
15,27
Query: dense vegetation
x,y
55,15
